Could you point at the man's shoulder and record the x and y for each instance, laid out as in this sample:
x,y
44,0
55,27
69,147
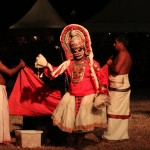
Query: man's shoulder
x,y
124,53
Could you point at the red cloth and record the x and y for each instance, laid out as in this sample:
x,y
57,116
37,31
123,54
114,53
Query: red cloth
x,y
31,97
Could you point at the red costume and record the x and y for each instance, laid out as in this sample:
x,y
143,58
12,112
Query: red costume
x,y
81,81
75,111
31,97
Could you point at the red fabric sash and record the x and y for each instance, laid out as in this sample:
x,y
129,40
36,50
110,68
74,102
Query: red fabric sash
x,y
31,97
119,116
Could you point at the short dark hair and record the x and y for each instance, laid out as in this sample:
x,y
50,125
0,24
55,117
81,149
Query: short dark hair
x,y
123,38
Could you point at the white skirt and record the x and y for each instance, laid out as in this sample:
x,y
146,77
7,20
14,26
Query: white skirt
x,y
87,118
4,116
119,109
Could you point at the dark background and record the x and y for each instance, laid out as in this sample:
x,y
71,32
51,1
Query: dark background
x,y
72,12
78,11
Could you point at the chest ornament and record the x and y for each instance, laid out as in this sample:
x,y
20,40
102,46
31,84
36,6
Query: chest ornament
x,y
77,71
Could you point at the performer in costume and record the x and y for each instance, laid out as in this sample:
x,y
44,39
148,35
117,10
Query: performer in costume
x,y
75,112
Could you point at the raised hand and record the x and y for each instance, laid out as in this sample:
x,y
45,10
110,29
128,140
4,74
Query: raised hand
x,y
109,61
40,61
22,63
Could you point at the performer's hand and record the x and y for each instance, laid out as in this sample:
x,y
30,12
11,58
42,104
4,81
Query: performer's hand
x,y
40,61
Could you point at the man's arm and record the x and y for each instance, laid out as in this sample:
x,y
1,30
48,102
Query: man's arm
x,y
116,66
12,71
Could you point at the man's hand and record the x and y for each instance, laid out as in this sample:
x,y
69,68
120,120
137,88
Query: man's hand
x,y
40,61
22,63
109,61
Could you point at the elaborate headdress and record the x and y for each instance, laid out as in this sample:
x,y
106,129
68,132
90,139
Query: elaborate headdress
x,y
73,36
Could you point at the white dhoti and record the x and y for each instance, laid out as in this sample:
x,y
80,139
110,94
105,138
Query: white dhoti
x,y
119,111
4,116
65,117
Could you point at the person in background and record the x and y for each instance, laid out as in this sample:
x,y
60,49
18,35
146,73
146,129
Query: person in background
x,y
118,112
87,80
4,110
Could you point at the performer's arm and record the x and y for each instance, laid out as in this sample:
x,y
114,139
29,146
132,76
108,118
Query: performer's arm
x,y
49,70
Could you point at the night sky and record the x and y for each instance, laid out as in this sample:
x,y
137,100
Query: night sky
x,y
13,10
79,11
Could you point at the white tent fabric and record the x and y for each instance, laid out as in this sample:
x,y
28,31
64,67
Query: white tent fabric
x,y
121,16
41,15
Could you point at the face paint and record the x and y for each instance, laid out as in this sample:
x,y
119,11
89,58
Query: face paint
x,y
78,52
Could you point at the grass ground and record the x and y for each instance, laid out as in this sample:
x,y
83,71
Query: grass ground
x,y
139,129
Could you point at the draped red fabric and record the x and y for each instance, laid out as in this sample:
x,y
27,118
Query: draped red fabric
x,y
30,96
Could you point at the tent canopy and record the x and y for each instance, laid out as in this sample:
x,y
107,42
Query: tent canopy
x,y
121,16
41,15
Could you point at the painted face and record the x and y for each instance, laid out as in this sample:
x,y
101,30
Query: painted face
x,y
78,52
